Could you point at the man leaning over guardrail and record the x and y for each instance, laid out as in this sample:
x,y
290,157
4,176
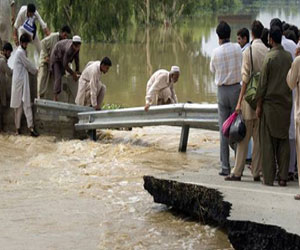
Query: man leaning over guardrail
x,y
160,87
91,90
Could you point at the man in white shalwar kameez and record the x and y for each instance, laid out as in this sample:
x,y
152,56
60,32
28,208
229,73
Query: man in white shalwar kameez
x,y
25,23
20,89
160,87
91,90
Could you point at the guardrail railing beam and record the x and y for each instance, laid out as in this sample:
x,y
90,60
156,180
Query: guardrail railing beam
x,y
184,115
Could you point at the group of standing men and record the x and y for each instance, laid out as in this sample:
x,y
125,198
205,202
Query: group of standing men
x,y
271,124
57,52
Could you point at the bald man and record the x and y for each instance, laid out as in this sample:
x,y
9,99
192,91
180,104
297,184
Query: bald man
x,y
160,87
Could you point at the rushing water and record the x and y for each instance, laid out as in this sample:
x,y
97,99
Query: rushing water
x,y
87,195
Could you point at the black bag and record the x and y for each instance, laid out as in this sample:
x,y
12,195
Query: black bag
x,y
237,130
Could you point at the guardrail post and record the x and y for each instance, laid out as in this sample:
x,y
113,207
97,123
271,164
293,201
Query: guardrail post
x,y
184,138
92,134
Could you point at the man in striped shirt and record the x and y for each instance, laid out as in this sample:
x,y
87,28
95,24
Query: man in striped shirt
x,y
226,63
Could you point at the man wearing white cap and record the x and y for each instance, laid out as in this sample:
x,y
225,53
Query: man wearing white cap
x,y
63,53
160,87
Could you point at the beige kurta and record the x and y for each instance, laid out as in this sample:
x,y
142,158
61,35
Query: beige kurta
x,y
20,89
47,44
259,51
90,85
160,89
293,79
5,74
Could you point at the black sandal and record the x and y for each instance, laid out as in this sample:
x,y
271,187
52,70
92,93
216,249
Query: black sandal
x,y
232,178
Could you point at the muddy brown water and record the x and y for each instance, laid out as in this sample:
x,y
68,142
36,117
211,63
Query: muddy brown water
x,y
89,195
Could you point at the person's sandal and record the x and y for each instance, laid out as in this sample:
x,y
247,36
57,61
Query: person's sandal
x,y
256,179
282,183
233,178
33,133
297,197
18,132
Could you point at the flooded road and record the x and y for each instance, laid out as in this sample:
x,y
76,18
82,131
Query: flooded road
x,y
89,195
86,195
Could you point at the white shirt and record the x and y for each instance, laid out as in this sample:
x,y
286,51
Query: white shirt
x,y
22,17
289,46
159,81
226,63
20,88
247,45
89,84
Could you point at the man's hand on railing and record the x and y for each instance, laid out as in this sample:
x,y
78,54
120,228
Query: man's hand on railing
x,y
147,106
97,107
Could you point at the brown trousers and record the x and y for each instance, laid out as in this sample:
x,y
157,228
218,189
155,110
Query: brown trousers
x,y
252,127
58,72
43,79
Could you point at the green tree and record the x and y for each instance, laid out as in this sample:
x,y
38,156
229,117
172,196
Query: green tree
x,y
99,20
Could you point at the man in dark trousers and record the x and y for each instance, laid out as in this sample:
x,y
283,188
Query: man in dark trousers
x,y
274,110
226,64
5,74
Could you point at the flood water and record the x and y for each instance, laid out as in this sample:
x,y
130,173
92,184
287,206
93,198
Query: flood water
x,y
89,195
189,45
86,195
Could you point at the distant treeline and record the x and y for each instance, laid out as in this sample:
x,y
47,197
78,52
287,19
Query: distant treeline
x,y
99,20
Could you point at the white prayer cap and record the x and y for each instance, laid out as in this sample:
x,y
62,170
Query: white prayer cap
x,y
76,39
175,69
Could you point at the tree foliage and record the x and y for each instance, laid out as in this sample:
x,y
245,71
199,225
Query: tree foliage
x,y
99,20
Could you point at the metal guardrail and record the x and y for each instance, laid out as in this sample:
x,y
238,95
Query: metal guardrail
x,y
187,116
59,108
